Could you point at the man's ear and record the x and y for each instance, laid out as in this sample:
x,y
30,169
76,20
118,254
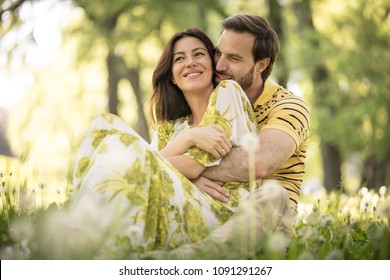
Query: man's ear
x,y
262,64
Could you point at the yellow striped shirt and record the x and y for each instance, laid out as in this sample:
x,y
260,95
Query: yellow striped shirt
x,y
280,109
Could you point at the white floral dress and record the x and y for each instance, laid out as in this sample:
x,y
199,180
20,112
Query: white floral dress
x,y
116,167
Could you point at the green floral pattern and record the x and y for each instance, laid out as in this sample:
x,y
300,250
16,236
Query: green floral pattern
x,y
118,168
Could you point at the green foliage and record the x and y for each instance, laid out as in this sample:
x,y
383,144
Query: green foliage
x,y
351,46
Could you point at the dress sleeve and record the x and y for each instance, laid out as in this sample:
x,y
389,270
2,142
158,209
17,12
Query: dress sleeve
x,y
230,108
163,135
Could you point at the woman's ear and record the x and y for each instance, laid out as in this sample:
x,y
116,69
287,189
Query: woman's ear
x,y
262,64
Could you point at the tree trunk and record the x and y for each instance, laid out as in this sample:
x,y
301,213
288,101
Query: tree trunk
x,y
376,172
142,124
331,162
276,21
112,84
331,156
5,148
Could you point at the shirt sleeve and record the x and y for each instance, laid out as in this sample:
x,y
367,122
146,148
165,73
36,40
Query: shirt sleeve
x,y
292,116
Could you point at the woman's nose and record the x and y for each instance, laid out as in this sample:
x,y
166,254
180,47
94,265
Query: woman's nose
x,y
191,61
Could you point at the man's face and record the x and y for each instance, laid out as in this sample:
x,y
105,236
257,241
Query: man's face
x,y
234,59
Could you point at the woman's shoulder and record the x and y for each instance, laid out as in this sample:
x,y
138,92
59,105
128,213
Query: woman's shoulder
x,y
229,85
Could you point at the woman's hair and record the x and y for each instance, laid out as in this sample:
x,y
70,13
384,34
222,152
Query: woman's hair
x,y
266,40
167,102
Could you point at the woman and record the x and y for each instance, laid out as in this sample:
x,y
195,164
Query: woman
x,y
148,190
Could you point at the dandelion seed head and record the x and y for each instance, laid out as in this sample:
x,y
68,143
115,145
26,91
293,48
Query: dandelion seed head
x,y
247,206
271,189
277,243
42,186
382,190
250,142
2,174
328,219
25,200
135,235
366,205
363,191
375,199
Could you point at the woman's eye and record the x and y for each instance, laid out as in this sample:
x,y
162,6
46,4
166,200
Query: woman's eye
x,y
177,59
199,54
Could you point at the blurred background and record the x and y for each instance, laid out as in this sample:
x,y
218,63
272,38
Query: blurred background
x,y
63,62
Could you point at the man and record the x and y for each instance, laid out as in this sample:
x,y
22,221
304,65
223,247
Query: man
x,y
246,52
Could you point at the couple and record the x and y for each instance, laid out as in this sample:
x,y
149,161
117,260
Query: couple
x,y
170,194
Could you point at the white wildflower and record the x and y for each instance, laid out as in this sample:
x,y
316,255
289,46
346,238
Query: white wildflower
x,y
375,199
328,219
135,235
382,190
366,204
271,190
363,191
250,142
304,211
277,243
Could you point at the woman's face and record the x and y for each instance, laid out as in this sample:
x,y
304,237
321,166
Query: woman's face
x,y
192,65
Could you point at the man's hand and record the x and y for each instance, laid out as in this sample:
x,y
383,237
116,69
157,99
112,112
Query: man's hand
x,y
212,188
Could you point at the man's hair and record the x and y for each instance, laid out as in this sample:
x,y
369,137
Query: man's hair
x,y
266,40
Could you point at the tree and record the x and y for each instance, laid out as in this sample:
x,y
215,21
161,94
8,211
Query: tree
x,y
313,61
127,24
345,56
366,82
276,20
5,148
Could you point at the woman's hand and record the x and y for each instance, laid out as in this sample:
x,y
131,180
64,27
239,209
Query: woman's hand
x,y
211,139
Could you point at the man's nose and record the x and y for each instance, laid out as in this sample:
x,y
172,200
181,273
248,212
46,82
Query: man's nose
x,y
220,64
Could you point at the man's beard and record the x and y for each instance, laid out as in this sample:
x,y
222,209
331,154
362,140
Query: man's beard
x,y
246,80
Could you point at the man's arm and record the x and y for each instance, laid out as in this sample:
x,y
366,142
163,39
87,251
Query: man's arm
x,y
276,147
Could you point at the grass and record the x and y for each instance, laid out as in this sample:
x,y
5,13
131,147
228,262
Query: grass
x,y
334,226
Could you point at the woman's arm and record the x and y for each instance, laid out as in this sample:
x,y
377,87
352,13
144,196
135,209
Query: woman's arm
x,y
187,166
211,139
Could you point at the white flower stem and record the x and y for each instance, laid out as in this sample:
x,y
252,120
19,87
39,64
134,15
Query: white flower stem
x,y
252,168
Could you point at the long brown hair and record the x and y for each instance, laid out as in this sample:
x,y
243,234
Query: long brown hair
x,y
167,102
